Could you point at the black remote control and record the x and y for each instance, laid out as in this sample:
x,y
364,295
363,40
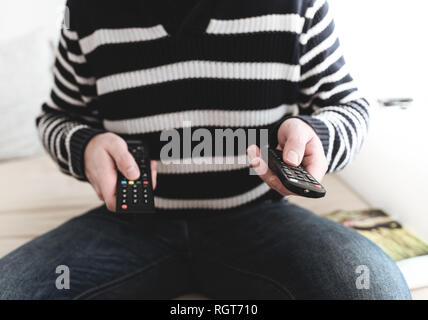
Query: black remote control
x,y
295,179
136,196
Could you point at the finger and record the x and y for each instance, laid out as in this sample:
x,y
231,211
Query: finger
x,y
294,149
153,166
257,163
124,160
271,179
262,169
315,162
107,182
253,153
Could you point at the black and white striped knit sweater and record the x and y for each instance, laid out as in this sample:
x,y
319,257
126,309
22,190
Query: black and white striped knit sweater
x,y
228,64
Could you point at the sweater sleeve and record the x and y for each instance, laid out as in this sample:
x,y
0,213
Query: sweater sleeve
x,y
68,119
329,100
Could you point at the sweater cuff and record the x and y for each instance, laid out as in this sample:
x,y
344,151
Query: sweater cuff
x,y
320,129
78,142
273,131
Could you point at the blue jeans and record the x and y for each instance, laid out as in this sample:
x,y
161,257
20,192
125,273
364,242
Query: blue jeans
x,y
272,250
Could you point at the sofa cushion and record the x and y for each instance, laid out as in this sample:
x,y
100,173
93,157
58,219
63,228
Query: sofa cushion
x,y
25,80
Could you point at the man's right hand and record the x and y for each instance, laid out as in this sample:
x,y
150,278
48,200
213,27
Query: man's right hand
x,y
104,155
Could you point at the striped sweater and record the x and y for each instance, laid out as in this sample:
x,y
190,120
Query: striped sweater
x,y
228,64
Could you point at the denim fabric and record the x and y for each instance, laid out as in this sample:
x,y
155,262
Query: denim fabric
x,y
271,250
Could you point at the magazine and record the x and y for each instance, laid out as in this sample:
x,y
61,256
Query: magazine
x,y
410,252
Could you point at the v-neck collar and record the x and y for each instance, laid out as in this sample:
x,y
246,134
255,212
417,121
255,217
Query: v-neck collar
x,y
195,21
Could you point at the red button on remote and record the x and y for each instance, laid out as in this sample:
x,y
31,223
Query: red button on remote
x,y
318,186
124,206
145,182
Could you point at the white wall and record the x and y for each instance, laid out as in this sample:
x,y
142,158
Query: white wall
x,y
18,17
28,33
385,44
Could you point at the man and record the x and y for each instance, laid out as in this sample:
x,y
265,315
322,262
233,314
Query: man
x,y
141,68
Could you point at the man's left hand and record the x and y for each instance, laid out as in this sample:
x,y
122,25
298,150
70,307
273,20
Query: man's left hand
x,y
300,145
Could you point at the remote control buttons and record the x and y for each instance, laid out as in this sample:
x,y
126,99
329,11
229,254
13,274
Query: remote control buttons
x,y
136,195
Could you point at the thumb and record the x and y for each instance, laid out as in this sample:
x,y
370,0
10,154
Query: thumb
x,y
124,160
294,150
